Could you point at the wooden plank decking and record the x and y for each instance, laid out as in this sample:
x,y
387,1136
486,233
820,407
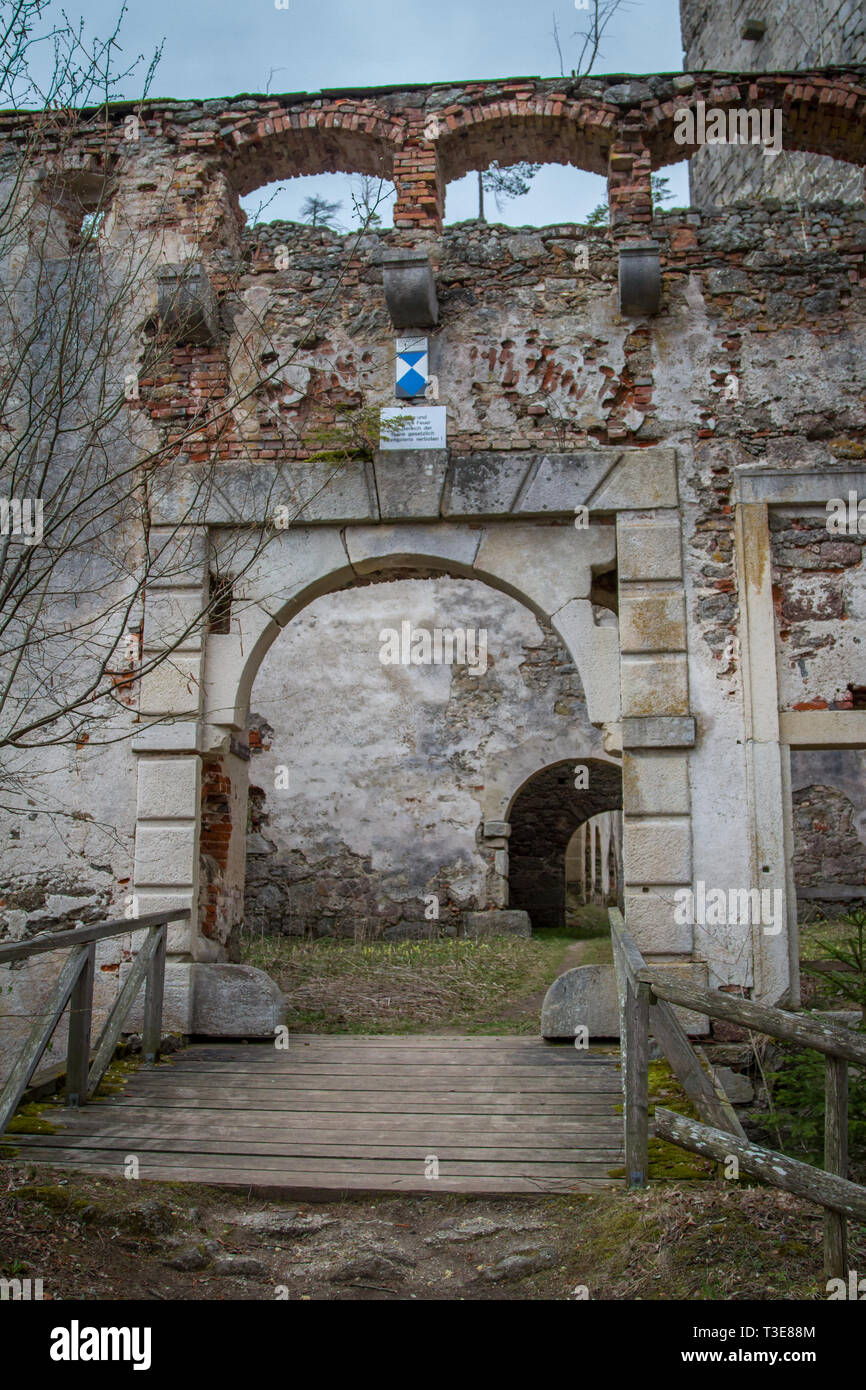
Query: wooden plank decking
x,y
337,1114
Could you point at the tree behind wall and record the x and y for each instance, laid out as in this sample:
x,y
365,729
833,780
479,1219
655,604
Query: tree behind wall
x,y
82,439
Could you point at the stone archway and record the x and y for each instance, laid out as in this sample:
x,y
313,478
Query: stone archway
x,y
543,817
306,563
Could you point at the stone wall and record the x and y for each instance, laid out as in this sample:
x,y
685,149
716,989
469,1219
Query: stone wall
x,y
796,36
385,765
829,793
552,395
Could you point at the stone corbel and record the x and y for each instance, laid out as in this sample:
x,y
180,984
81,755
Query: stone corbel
x,y
187,303
410,290
640,281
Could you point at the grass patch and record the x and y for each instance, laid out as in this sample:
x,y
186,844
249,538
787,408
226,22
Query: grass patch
x,y
412,986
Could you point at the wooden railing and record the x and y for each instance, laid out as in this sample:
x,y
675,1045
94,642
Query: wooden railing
x,y
645,1000
74,986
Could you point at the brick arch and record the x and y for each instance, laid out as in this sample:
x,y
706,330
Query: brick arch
x,y
540,130
543,816
346,138
823,113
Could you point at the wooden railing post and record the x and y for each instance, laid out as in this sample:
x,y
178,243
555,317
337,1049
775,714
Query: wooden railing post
x,y
635,1061
78,1037
153,995
835,1161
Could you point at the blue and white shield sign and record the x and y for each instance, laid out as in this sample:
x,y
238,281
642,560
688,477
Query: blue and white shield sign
x,y
410,367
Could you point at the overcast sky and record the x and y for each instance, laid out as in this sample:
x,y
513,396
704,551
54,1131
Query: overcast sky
x,y
223,47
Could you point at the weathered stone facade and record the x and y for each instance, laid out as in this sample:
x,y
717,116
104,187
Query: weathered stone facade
x,y
727,38
698,439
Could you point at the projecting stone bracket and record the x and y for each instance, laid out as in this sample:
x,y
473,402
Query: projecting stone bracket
x,y
640,281
187,303
410,290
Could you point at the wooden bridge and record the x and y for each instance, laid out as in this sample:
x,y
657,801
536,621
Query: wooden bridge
x,y
390,1113
357,1114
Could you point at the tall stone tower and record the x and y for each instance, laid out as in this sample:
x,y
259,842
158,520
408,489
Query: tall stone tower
x,y
763,35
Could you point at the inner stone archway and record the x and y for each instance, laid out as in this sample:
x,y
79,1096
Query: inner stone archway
x,y
544,815
505,559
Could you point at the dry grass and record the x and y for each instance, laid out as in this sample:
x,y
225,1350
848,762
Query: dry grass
x,y
410,986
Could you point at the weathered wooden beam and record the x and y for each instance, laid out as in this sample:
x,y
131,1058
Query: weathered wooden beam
x,y
40,1036
828,1038
153,995
113,1025
836,1161
633,961
78,1036
80,936
671,1036
635,1062
813,1184
733,1125
685,1064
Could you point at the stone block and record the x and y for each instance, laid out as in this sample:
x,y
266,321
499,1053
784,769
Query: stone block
x,y
561,482
172,736
595,652
168,788
484,484
650,920
582,997
640,280
496,829
172,687
737,1088
548,574
654,685
188,303
410,482
652,622
655,784
657,851
165,854
179,553
642,478
410,289
235,1001
658,731
174,618
369,546
498,922
648,550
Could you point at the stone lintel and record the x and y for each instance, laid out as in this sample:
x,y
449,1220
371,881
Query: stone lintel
x,y
416,484
809,486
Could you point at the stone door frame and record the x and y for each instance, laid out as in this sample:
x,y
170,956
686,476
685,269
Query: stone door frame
x,y
510,520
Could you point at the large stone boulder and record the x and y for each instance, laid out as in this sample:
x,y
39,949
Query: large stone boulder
x,y
497,922
235,1001
583,997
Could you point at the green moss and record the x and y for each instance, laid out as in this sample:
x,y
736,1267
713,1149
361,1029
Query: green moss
x,y
668,1162
116,1075
28,1119
52,1196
